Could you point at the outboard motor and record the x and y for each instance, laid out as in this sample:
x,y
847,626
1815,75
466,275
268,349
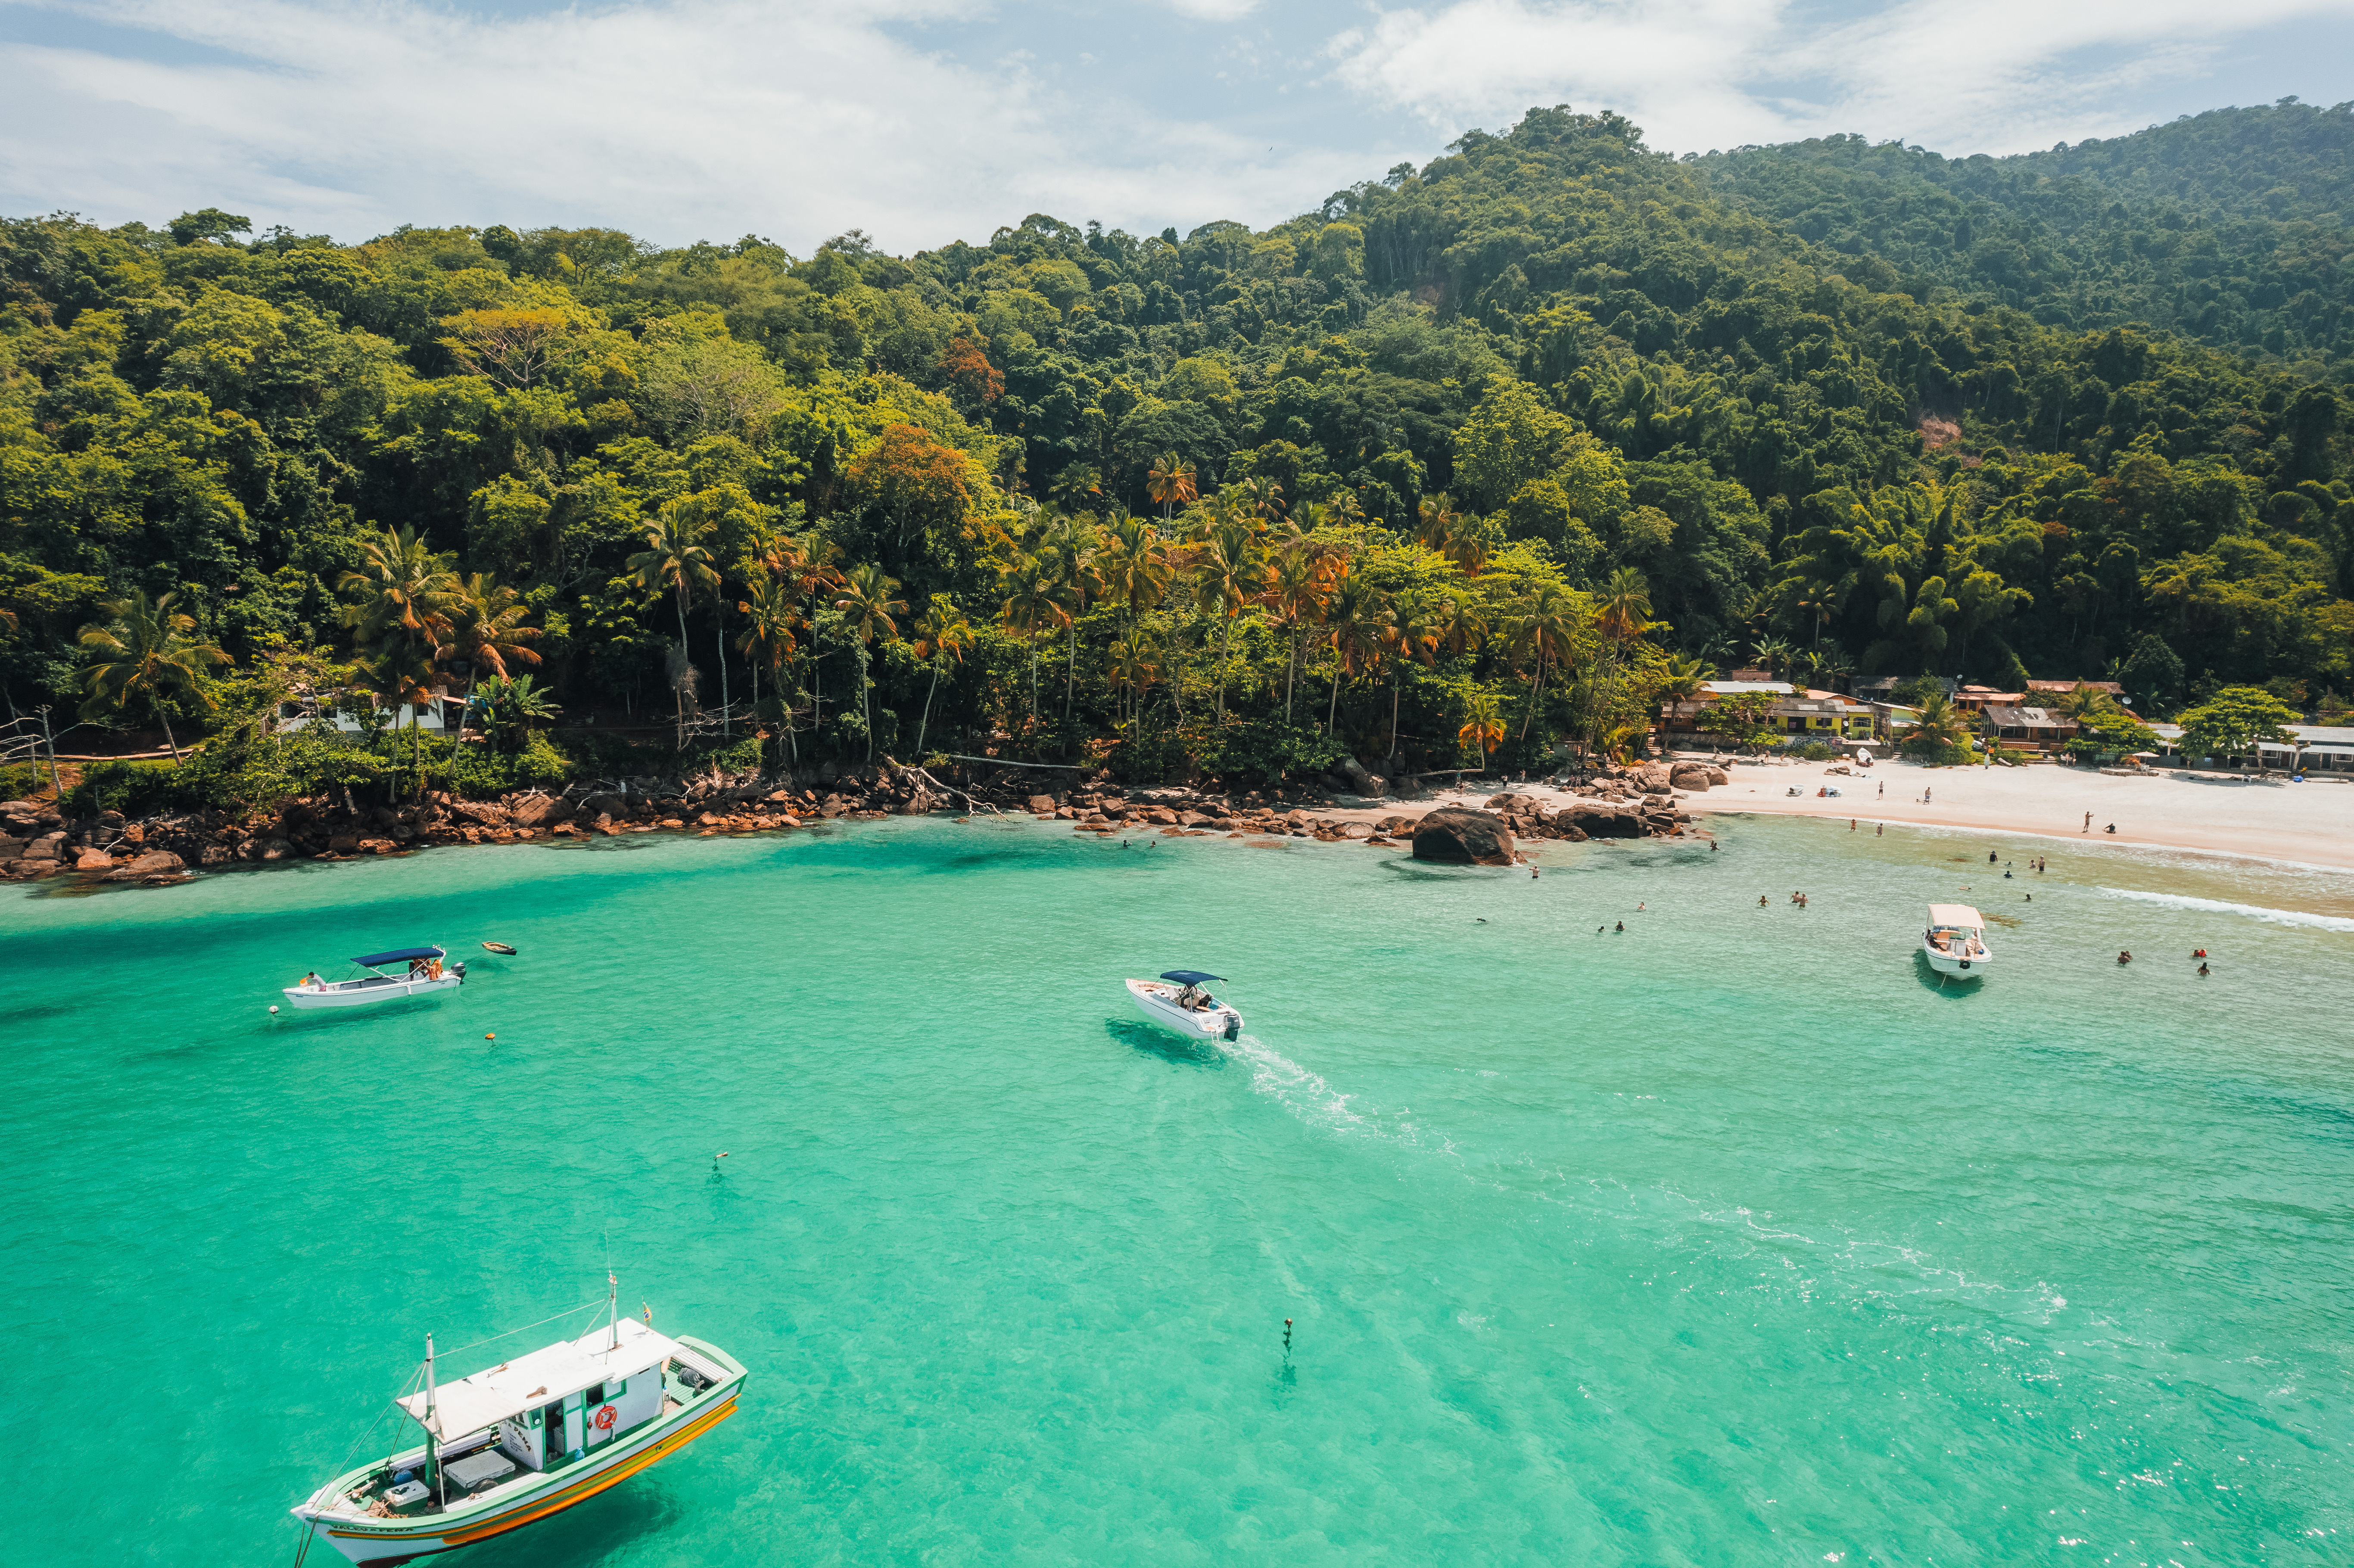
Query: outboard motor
x,y
1234,1026
459,968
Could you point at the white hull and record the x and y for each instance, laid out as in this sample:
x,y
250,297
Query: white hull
x,y
1157,999
363,1538
365,993
1947,963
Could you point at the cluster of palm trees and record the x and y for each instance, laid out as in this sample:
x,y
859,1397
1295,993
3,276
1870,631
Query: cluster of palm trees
x,y
416,624
1241,552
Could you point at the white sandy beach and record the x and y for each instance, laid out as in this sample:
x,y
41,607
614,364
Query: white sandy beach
x,y
2310,823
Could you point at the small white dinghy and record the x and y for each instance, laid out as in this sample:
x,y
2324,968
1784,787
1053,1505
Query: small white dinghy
x,y
424,975
1955,941
1181,1001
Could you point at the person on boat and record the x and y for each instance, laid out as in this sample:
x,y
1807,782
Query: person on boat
x,y
313,982
433,969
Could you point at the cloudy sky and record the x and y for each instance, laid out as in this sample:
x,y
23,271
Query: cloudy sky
x,y
926,120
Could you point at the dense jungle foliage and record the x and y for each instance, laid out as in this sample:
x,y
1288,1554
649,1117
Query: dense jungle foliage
x,y
1481,458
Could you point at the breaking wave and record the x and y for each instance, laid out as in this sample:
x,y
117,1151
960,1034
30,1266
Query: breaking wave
x,y
2220,906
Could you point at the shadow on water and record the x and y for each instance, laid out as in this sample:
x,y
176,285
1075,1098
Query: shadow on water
x,y
1953,986
604,1529
1427,871
1162,1046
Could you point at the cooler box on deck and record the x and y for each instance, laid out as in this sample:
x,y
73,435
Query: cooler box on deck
x,y
478,1470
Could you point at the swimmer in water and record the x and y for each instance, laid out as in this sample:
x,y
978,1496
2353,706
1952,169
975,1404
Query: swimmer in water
x,y
2203,969
2125,957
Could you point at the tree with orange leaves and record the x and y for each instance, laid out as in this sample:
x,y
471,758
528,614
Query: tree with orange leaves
x,y
969,372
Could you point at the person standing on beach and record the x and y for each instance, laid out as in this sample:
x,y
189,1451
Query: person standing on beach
x,y
1925,797
2088,821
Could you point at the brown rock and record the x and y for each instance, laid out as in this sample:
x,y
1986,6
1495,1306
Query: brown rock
x,y
1455,835
93,860
542,811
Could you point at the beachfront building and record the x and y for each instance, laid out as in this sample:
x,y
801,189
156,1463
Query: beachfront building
x,y
2018,727
2319,748
1798,712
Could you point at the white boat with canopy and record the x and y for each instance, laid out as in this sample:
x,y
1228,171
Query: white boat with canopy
x,y
1955,940
524,1439
1181,1001
426,974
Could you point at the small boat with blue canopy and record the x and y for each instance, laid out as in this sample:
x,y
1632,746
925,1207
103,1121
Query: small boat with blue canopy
x,y
422,973
1181,1001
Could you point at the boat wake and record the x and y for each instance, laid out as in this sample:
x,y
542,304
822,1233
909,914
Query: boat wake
x,y
2222,907
1304,1093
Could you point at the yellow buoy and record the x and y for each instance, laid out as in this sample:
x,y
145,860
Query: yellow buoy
x,y
486,1036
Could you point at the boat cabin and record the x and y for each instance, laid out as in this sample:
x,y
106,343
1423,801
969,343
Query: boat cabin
x,y
1956,929
558,1404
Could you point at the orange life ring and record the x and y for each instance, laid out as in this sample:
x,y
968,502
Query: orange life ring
x,y
605,1419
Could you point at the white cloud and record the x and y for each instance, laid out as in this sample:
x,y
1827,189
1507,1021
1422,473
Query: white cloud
x,y
700,118
1999,76
1213,10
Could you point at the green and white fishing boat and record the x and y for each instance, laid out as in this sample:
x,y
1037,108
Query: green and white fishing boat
x,y
524,1440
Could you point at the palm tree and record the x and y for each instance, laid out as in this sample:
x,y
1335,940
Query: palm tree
x,y
1434,522
486,631
1032,605
769,630
1077,485
144,650
1466,543
1352,623
867,603
1228,576
1133,668
1298,579
1483,725
1938,724
1132,567
1073,546
1462,624
1625,607
677,557
809,571
1776,654
1170,483
2081,703
1682,681
1409,637
943,633
403,611
1546,626
1263,496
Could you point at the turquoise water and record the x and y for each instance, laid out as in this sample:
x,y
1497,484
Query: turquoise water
x,y
1735,1238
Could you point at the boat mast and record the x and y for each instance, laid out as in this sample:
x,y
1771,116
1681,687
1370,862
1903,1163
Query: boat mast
x,y
432,1439
613,1308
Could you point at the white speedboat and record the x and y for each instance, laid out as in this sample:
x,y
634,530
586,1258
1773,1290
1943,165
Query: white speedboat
x,y
524,1439
425,974
1181,1001
1955,940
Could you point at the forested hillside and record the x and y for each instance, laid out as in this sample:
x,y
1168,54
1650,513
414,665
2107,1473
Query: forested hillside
x,y
1486,455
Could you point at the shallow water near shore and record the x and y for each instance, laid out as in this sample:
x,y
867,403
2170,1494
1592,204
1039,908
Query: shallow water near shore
x,y
1736,1237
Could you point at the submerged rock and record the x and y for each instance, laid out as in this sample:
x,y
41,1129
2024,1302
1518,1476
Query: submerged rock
x,y
1454,835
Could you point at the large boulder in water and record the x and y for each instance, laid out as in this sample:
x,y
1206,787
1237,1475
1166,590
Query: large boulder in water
x,y
1454,835
1601,818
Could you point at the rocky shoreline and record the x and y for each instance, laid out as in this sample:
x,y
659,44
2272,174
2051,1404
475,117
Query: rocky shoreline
x,y
37,841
